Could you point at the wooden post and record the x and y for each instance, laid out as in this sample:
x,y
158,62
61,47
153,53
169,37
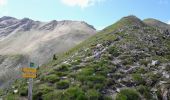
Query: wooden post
x,y
30,86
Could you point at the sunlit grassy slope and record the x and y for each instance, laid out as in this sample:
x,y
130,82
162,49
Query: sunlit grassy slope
x,y
128,60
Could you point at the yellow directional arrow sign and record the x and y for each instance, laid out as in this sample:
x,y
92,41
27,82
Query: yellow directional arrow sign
x,y
29,70
28,75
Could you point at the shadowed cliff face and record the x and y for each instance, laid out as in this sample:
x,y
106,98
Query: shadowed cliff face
x,y
39,40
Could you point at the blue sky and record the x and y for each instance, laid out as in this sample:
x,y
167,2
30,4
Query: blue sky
x,y
99,13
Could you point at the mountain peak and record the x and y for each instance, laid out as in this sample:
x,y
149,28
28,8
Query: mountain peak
x,y
91,26
156,23
128,21
133,20
6,18
131,17
26,20
153,21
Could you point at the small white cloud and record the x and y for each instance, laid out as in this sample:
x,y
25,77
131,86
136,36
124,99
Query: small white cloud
x,y
3,3
80,3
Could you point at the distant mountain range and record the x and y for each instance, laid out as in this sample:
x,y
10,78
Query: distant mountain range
x,y
41,39
38,41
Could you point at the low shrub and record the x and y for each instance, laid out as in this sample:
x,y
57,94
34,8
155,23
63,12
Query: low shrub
x,y
76,93
51,78
64,84
63,67
41,90
141,70
145,91
73,93
55,95
12,97
144,62
92,94
96,79
60,74
114,51
138,79
128,94
23,91
1,92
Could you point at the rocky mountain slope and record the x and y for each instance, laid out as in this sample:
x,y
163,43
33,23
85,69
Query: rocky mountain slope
x,y
40,39
37,41
157,23
9,65
129,60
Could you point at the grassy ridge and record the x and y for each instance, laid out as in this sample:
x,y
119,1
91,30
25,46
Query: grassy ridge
x,y
125,61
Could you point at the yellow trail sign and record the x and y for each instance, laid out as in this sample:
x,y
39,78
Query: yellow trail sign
x,y
29,70
28,75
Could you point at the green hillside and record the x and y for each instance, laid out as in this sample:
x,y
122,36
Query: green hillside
x,y
128,60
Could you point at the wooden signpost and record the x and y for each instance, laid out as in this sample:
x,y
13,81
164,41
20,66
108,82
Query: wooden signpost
x,y
30,73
